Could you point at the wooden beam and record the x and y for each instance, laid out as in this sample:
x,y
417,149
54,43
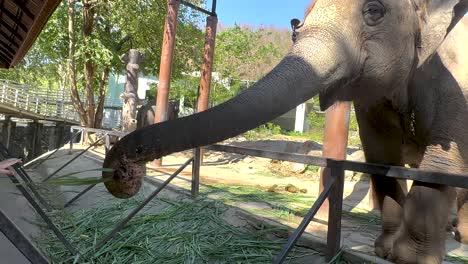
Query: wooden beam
x,y
13,17
39,22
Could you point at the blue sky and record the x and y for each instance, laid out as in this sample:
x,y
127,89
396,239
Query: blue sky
x,y
260,12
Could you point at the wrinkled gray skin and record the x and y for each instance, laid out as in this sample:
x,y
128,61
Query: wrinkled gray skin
x,y
382,55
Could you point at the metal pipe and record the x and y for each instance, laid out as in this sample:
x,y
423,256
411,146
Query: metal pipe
x,y
196,172
451,179
334,214
305,222
20,240
335,143
70,161
213,8
44,216
25,177
196,7
79,195
165,68
122,223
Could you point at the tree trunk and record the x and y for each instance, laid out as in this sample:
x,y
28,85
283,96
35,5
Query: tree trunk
x,y
130,94
88,21
75,97
102,97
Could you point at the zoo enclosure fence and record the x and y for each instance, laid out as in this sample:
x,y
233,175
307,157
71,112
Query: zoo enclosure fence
x,y
333,190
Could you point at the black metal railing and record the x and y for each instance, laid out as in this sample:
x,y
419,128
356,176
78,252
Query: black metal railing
x,y
333,190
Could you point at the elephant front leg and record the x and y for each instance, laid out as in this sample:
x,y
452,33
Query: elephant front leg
x,y
422,234
391,220
381,135
461,230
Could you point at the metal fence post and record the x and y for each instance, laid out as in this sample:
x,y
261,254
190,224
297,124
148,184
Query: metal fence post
x,y
196,172
334,212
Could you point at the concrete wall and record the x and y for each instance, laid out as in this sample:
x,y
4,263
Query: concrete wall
x,y
31,139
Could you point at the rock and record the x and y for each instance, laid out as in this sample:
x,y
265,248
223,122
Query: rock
x,y
309,146
291,188
298,168
248,160
272,188
349,174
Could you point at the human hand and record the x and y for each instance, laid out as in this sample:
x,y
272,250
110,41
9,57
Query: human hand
x,y
4,164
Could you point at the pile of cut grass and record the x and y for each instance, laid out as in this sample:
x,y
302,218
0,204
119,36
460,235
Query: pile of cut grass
x,y
182,232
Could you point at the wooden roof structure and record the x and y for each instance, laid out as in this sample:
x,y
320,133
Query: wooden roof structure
x,y
21,21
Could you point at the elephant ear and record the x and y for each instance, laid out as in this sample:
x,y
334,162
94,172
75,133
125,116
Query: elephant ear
x,y
437,18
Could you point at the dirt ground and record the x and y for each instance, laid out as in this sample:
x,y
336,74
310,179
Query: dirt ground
x,y
259,189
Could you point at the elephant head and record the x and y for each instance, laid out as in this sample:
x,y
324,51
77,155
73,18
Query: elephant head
x,y
353,50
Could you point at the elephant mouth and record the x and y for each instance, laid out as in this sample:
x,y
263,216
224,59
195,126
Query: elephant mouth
x,y
126,178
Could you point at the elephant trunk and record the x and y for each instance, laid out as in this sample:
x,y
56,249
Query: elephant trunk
x,y
290,83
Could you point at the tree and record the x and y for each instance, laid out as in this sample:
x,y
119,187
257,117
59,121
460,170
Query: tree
x,y
244,55
81,46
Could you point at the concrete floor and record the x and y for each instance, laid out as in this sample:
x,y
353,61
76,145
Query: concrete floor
x,y
22,214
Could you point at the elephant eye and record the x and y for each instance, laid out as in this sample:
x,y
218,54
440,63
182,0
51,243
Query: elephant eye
x,y
373,13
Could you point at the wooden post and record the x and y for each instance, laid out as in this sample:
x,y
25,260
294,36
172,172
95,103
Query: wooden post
x,y
36,131
11,130
130,94
59,131
207,70
335,143
52,137
165,69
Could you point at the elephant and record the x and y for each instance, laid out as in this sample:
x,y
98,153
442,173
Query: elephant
x,y
400,65
146,113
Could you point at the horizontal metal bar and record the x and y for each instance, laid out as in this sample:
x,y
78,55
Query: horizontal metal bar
x,y
100,131
450,179
197,8
122,223
299,158
305,222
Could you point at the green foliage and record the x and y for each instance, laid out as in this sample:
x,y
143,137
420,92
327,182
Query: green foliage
x,y
244,55
353,124
316,120
185,87
268,128
140,22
